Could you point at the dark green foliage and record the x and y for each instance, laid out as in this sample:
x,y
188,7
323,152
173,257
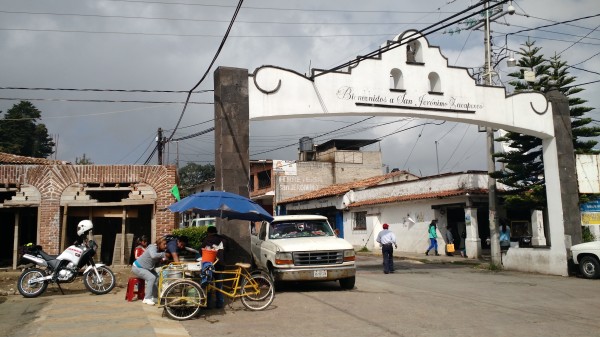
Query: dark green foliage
x,y
84,160
524,167
193,174
586,234
194,234
20,133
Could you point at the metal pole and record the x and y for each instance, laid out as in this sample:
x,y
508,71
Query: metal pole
x,y
436,158
494,238
159,139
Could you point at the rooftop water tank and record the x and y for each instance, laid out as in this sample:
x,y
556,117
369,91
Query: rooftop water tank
x,y
306,144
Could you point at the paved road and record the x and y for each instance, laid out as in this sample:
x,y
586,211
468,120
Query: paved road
x,y
420,299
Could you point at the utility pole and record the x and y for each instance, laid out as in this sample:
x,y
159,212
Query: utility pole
x,y
494,237
160,144
177,158
436,158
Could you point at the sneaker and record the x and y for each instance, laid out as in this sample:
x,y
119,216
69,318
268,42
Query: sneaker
x,y
148,301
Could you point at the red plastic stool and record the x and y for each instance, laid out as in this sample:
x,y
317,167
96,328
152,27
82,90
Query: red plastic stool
x,y
131,292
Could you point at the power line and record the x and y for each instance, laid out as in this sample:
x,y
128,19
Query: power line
x,y
209,20
97,100
275,8
583,37
237,10
106,90
555,24
411,38
192,35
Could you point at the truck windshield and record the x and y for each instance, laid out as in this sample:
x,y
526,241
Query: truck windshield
x,y
297,229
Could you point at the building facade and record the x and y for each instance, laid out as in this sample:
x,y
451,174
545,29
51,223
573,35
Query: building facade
x,y
41,201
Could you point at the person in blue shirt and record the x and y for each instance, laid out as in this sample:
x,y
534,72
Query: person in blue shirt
x,y
432,232
504,236
175,245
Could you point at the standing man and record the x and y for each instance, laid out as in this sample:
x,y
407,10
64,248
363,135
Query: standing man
x,y
214,240
387,240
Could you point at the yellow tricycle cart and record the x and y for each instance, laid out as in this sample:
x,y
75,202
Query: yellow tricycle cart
x,y
182,287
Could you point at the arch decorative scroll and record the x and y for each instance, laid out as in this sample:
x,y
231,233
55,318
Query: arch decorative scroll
x,y
539,112
278,86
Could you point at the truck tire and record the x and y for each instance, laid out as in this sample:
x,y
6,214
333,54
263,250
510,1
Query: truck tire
x,y
348,283
589,267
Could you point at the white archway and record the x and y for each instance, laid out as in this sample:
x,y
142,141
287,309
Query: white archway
x,y
277,93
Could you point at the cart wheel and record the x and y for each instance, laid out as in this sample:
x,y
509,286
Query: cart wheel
x,y
257,292
182,299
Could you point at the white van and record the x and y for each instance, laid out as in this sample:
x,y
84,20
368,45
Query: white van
x,y
199,222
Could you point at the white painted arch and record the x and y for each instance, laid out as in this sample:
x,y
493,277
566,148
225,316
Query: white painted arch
x,y
276,93
365,90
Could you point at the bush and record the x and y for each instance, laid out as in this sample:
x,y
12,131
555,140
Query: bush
x,y
195,235
586,234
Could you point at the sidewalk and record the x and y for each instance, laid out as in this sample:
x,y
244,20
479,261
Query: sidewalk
x,y
431,258
84,314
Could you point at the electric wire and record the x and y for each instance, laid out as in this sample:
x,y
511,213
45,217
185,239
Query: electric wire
x,y
411,38
273,8
98,100
106,90
237,10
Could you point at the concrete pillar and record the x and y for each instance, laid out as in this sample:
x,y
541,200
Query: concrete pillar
x,y
569,189
538,238
232,158
472,242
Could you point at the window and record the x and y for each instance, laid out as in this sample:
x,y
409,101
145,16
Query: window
x,y
360,221
435,84
264,180
396,80
414,54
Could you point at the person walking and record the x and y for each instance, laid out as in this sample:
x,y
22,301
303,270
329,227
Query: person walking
x,y
432,237
143,267
387,240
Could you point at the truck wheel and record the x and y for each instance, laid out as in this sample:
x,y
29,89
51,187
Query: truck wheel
x,y
348,283
589,267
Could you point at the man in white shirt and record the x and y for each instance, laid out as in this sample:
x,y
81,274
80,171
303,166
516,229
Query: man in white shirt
x,y
387,240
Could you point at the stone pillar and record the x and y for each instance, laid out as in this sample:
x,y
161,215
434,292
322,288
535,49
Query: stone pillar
x,y
538,238
472,242
569,189
232,162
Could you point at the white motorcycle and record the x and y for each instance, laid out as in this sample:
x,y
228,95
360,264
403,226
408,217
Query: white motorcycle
x,y
64,268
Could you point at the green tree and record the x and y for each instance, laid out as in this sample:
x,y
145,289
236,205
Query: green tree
x,y
524,166
193,174
84,160
20,133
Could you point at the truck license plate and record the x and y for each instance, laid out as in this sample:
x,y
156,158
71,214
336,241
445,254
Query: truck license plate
x,y
320,273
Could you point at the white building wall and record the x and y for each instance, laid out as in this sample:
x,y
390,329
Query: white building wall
x,y
411,237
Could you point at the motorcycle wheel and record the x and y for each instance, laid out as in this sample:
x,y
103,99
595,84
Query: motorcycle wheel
x,y
34,289
99,285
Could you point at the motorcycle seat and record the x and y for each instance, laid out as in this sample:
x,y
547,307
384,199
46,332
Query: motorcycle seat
x,y
48,257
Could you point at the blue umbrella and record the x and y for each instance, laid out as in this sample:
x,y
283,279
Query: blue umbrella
x,y
223,205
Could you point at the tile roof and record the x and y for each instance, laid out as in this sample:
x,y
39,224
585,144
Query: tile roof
x,y
339,189
12,159
431,195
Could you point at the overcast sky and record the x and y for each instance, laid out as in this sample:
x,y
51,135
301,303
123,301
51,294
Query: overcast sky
x,y
168,45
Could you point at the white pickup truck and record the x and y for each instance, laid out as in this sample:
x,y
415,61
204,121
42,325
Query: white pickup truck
x,y
587,257
303,248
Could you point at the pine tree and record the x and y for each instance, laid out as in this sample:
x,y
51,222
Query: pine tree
x,y
524,167
20,133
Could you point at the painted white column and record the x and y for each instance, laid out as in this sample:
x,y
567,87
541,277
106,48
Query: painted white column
x,y
538,238
472,242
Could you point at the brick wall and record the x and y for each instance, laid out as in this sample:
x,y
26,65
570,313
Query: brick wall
x,y
52,180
